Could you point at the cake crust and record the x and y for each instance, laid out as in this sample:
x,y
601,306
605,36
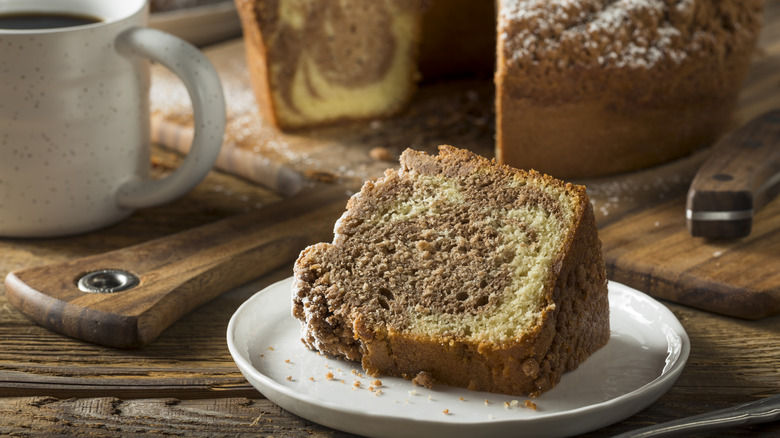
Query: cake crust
x,y
355,296
596,87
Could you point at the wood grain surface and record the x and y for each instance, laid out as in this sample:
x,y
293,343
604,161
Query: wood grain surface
x,y
186,384
174,274
632,209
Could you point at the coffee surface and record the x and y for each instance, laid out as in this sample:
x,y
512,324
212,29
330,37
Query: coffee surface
x,y
43,20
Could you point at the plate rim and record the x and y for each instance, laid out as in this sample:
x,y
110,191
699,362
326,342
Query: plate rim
x,y
641,397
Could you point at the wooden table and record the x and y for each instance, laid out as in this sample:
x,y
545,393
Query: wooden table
x,y
186,384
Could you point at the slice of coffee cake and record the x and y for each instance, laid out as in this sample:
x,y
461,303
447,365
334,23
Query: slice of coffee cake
x,y
477,274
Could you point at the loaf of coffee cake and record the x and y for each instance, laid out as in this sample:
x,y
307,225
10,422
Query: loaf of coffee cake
x,y
584,88
475,274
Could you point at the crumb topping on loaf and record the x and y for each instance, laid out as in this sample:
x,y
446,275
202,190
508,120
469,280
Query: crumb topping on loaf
x,y
642,82
623,33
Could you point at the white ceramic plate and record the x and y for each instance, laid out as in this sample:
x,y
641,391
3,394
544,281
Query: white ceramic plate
x,y
645,355
200,25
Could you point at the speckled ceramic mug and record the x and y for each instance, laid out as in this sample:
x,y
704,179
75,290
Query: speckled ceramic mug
x,y
74,118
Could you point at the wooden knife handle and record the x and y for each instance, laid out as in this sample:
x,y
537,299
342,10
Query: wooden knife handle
x,y
741,176
233,159
176,273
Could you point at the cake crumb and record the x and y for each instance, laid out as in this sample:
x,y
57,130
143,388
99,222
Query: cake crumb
x,y
530,405
271,348
356,384
378,392
377,383
289,378
446,412
287,361
381,154
424,378
329,376
323,176
487,402
312,379
256,421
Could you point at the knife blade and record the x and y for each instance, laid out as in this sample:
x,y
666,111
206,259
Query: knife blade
x,y
127,297
741,175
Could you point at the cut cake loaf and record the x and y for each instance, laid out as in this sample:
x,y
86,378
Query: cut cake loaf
x,y
584,88
320,62
453,267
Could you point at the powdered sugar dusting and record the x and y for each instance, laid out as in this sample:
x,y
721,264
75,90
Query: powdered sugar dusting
x,y
169,95
618,195
611,33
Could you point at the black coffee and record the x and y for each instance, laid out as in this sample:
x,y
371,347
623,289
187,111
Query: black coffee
x,y
43,20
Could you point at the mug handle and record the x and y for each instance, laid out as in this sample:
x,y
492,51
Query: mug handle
x,y
205,90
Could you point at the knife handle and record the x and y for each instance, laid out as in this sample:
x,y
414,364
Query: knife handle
x,y
175,274
741,175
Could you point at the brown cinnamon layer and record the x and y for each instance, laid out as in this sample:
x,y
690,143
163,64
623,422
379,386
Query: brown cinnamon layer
x,y
316,62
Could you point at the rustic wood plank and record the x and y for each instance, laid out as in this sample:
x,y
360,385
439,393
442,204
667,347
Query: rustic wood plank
x,y
173,274
110,416
652,251
189,360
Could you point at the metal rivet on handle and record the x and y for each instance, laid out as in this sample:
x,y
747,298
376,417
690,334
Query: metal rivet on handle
x,y
106,281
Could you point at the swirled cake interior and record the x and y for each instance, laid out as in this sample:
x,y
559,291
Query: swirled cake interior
x,y
454,262
333,60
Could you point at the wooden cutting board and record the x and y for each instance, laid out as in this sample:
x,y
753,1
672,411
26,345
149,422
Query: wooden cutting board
x,y
640,215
